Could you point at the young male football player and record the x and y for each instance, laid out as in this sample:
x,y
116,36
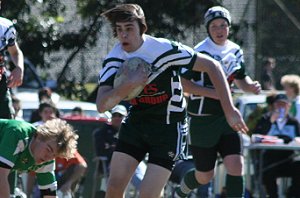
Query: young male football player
x,y
156,123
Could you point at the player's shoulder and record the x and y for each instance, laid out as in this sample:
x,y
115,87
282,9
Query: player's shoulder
x,y
5,22
202,45
233,45
162,44
16,129
15,123
116,51
156,40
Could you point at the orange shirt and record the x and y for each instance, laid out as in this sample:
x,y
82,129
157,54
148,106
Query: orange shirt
x,y
62,163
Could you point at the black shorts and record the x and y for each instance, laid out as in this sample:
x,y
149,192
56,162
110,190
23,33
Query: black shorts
x,y
165,143
205,158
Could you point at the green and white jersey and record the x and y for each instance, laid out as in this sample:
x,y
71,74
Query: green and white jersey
x,y
162,99
231,58
15,137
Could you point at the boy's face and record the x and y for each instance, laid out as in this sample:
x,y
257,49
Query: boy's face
x,y
43,151
129,35
47,113
281,104
116,119
219,31
289,91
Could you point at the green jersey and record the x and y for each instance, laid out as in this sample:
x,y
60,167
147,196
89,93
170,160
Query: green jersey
x,y
15,138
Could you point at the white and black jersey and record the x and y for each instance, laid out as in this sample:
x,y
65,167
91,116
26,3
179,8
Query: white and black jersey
x,y
231,58
162,99
7,32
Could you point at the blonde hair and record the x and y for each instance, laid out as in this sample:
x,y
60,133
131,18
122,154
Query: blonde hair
x,y
291,80
60,131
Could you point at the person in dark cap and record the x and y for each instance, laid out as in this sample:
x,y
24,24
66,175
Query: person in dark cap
x,y
278,123
105,141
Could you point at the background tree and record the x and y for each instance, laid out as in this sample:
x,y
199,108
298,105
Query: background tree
x,y
41,27
278,36
39,24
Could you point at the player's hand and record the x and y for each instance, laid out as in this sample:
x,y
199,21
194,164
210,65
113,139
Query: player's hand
x,y
236,121
137,77
255,87
16,78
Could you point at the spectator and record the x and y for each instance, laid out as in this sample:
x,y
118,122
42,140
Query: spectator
x,y
44,95
77,111
267,77
279,123
291,86
26,148
47,111
69,173
15,78
105,140
255,116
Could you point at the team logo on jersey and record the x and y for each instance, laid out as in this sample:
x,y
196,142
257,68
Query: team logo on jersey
x,y
20,147
171,154
229,63
24,160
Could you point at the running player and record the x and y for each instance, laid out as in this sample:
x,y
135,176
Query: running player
x,y
210,131
156,123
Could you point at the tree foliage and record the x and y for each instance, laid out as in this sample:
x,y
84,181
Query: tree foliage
x,y
38,22
278,37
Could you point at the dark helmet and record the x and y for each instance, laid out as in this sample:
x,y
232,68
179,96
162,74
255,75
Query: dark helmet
x,y
216,12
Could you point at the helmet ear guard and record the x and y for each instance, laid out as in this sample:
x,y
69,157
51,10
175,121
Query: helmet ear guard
x,y
216,12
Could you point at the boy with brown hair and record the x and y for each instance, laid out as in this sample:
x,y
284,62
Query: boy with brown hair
x,y
157,123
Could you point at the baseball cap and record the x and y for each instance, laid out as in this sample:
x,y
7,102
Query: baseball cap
x,y
282,98
119,109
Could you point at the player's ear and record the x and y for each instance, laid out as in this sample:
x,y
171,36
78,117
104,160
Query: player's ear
x,y
144,29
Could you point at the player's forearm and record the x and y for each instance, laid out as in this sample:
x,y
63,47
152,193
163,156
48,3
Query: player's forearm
x,y
248,85
243,84
220,83
4,189
193,88
17,56
109,97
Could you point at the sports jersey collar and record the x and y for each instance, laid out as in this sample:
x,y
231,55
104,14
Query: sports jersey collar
x,y
214,45
139,50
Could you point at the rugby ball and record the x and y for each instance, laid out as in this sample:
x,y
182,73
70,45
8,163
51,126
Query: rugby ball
x,y
132,64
